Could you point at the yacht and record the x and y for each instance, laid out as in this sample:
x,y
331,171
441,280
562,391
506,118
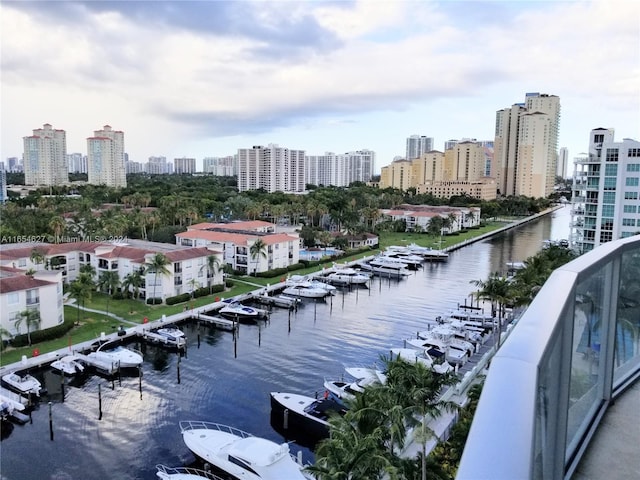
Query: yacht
x,y
238,310
412,261
348,276
68,365
119,355
416,356
305,414
386,267
23,383
437,348
447,335
294,280
239,453
347,390
306,290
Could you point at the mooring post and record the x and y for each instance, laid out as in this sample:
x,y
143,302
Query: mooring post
x,y
99,401
50,422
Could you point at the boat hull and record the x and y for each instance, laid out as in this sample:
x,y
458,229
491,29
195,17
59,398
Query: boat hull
x,y
288,410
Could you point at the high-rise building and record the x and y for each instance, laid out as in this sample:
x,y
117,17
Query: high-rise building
x,y
339,170
105,158
563,162
526,143
13,165
3,183
133,167
221,166
45,157
157,166
272,168
465,162
77,163
606,191
417,145
399,174
184,165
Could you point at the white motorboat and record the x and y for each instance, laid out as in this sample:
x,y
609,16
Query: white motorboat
x,y
169,335
363,377
184,473
10,403
412,261
306,414
436,348
448,336
482,319
386,267
239,453
417,356
348,276
238,310
68,365
306,290
119,355
23,383
294,280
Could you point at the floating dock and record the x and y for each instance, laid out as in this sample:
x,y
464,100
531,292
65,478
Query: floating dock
x,y
282,301
177,342
108,368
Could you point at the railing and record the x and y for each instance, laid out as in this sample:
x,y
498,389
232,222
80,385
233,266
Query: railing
x,y
574,350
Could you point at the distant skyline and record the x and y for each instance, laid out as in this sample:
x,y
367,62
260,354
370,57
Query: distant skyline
x,y
203,79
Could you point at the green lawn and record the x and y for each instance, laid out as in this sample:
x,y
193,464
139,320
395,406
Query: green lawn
x,y
91,324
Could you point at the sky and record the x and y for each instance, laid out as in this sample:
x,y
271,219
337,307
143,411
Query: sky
x,y
198,79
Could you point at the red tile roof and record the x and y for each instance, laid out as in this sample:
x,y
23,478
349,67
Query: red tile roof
x,y
245,225
16,283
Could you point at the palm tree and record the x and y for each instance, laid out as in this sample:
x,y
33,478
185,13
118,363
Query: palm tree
x,y
258,250
4,333
37,257
157,264
212,266
31,318
81,291
134,279
57,225
109,281
497,289
194,284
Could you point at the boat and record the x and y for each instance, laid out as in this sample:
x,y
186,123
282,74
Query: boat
x,y
169,335
239,453
305,414
306,290
417,356
437,348
237,310
449,336
348,276
412,261
23,383
386,267
124,357
294,280
10,404
68,365
184,473
427,253
479,318
363,376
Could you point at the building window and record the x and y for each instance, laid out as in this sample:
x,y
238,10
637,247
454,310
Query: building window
x,y
13,298
612,155
630,195
633,152
608,211
633,167
629,208
609,198
611,170
631,181
610,183
22,262
628,222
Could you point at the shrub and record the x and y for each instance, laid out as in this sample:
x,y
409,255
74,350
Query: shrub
x,y
118,296
154,301
183,297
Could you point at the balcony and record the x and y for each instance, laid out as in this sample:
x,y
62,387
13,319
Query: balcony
x,y
573,354
33,300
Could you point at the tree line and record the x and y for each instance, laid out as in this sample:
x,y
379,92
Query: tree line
x,y
157,207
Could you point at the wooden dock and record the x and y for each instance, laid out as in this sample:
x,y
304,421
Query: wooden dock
x,y
219,322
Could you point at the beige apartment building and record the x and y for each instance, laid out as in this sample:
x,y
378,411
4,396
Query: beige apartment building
x,y
45,157
526,146
105,158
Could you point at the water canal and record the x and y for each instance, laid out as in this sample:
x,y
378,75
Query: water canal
x,y
226,382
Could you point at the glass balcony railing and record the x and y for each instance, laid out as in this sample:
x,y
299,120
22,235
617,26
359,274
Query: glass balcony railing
x,y
574,350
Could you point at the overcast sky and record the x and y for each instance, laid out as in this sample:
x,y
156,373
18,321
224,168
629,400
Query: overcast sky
x,y
203,79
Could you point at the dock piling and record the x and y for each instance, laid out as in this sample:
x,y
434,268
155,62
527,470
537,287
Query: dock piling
x,y
50,422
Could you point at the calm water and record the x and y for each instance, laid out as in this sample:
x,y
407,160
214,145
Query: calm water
x,y
229,383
